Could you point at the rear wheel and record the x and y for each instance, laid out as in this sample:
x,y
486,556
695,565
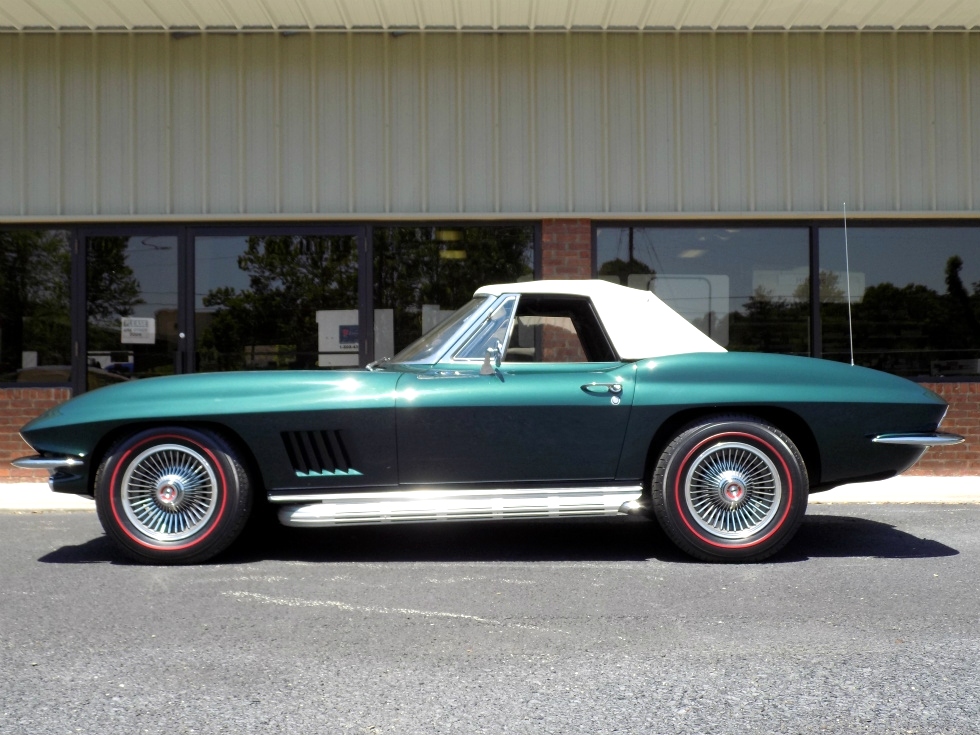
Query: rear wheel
x,y
730,488
172,495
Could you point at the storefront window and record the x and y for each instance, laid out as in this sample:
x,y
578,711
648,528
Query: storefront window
x,y
746,288
276,302
423,274
915,298
35,326
131,288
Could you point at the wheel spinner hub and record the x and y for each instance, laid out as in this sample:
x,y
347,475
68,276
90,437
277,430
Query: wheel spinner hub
x,y
732,489
169,492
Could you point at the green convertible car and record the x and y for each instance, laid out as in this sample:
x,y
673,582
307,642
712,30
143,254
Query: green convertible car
x,y
545,399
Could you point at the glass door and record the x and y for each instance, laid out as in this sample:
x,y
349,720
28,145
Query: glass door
x,y
132,327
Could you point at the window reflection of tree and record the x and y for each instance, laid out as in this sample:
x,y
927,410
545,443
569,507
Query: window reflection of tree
x,y
410,269
910,330
290,279
34,313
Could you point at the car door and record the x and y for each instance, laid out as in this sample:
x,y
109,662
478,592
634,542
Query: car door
x,y
547,414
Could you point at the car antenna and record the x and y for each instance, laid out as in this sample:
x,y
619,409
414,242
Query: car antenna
x,y
847,275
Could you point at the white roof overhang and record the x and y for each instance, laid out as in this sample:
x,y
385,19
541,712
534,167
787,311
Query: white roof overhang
x,y
485,15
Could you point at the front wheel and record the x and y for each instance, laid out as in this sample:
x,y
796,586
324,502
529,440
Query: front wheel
x,y
730,488
172,495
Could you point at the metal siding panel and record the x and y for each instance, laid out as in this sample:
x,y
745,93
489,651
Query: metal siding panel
x,y
151,124
660,131
369,133
223,120
332,171
78,139
115,128
842,105
260,164
549,124
768,122
515,144
914,121
623,120
478,124
696,122
973,90
12,133
951,101
405,104
296,116
441,127
41,125
877,128
586,122
733,168
807,123
187,125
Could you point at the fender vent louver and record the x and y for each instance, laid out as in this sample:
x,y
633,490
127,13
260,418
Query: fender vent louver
x,y
317,453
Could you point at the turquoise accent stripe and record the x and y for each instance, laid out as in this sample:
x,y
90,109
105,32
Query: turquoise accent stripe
x,y
327,473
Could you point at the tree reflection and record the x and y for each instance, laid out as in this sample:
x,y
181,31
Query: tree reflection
x,y
909,330
411,269
290,279
35,270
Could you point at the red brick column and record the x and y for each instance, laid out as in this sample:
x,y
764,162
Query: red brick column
x,y
964,419
566,248
17,407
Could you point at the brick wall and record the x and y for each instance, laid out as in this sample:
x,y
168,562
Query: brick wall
x,y
566,248
17,407
963,418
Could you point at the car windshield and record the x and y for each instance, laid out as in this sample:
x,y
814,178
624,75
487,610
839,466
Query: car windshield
x,y
432,342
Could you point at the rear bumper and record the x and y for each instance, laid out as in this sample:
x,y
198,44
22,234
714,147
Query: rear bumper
x,y
934,439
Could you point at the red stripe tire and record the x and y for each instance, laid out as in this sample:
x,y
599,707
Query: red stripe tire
x,y
172,495
730,488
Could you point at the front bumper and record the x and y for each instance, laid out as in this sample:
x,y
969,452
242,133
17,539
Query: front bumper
x,y
61,470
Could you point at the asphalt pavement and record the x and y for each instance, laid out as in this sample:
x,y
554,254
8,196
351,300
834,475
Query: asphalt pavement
x,y
35,497
866,623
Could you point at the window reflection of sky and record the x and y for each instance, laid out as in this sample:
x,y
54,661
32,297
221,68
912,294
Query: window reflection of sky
x,y
903,255
216,266
153,260
736,253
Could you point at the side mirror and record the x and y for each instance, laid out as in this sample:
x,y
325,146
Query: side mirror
x,y
491,361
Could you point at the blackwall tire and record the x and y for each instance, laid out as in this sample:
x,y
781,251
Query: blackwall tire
x,y
730,489
172,495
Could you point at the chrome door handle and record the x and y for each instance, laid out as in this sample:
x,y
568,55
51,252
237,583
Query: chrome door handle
x,y
603,388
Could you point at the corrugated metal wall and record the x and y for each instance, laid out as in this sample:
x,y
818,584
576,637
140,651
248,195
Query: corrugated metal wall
x,y
442,123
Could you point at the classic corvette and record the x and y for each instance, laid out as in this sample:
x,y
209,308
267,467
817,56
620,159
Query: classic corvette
x,y
545,399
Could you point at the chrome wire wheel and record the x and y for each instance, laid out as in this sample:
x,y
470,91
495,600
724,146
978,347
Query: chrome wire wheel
x,y
732,490
169,492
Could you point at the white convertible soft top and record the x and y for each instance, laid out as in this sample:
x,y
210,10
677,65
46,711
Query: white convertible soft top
x,y
638,323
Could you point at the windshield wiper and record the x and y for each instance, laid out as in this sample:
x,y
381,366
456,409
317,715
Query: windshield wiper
x,y
376,365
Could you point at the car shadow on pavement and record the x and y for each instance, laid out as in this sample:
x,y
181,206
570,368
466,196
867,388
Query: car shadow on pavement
x,y
594,539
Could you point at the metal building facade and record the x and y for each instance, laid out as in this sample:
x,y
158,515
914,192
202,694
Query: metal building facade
x,y
487,125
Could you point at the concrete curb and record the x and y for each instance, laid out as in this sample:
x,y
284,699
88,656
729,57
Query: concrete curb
x,y
35,497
